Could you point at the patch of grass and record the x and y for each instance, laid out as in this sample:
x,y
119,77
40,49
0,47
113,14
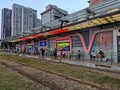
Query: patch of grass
x,y
69,71
10,81
11,57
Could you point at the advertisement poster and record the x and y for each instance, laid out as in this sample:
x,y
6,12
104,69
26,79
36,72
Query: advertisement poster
x,y
63,46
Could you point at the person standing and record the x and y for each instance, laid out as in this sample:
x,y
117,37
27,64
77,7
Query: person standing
x,y
39,52
63,55
55,53
93,55
46,52
42,52
60,55
79,54
101,55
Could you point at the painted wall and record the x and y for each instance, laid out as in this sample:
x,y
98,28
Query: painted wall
x,y
85,42
76,44
104,41
93,2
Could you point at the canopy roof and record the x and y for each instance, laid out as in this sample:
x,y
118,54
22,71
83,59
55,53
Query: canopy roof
x,y
107,12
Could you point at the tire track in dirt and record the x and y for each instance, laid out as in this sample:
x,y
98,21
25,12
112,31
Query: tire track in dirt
x,y
52,80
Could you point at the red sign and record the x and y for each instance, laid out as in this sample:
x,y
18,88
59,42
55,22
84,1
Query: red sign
x,y
38,35
58,31
24,38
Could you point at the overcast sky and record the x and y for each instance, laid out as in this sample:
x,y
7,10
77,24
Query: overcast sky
x,y
40,5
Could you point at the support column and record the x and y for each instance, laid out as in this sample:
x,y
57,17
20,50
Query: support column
x,y
115,57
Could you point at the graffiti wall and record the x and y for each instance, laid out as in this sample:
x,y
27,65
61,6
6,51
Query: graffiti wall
x,y
104,41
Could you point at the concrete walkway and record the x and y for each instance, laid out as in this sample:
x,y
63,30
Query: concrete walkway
x,y
86,63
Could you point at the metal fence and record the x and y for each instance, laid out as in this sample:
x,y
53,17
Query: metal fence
x,y
107,61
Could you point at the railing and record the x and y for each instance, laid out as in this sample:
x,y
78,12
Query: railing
x,y
107,61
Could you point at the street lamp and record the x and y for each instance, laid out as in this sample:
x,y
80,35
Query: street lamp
x,y
62,22
90,12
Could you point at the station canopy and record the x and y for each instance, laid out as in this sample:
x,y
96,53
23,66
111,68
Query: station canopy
x,y
90,20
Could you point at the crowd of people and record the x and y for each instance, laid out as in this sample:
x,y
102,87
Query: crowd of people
x,y
93,55
43,52
59,54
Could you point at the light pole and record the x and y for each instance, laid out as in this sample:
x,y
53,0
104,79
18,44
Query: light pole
x,y
62,22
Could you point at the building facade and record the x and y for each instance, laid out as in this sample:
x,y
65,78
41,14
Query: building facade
x,y
23,18
6,23
94,28
39,23
52,13
29,18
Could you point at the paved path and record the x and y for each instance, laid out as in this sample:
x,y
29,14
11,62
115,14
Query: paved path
x,y
101,65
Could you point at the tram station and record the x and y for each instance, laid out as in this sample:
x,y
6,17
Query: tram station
x,y
96,27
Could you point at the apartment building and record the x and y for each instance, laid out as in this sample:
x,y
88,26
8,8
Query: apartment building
x,y
23,18
6,23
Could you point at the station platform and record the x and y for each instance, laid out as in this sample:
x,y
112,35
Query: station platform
x,y
87,63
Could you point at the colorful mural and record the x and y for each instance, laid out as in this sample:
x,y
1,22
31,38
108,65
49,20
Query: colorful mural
x,y
104,41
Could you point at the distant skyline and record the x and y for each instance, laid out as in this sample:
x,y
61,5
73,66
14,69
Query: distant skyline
x,y
40,5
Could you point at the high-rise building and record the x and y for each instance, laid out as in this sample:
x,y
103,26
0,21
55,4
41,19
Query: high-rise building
x,y
6,23
38,24
52,13
23,18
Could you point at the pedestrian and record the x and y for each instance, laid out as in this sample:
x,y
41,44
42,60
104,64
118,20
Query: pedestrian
x,y
60,55
93,55
46,52
101,55
63,54
39,52
43,52
55,53
29,51
79,54
18,50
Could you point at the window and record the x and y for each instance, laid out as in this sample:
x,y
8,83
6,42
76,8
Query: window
x,y
76,41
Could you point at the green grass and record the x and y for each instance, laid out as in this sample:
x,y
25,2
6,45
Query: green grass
x,y
11,81
68,70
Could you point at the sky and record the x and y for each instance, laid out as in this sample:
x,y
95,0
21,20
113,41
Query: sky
x,y
40,5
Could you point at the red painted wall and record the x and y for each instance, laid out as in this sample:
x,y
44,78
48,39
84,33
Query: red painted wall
x,y
93,2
